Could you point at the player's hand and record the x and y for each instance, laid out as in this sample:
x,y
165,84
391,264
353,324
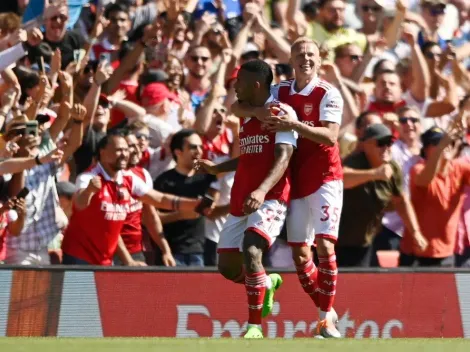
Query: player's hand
x,y
254,201
282,118
94,185
168,259
136,263
420,241
384,172
207,166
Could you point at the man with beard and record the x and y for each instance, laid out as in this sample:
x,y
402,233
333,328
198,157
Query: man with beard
x,y
365,200
102,203
141,214
328,27
198,82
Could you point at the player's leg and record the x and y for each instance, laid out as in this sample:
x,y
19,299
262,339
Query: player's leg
x,y
255,281
230,263
300,238
263,227
326,207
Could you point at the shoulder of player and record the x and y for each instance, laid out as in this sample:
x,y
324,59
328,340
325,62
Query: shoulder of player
x,y
326,86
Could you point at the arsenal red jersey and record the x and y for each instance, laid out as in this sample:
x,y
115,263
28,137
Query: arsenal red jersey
x,y
131,232
93,232
255,161
217,148
313,164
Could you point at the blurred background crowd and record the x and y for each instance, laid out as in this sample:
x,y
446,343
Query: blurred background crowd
x,y
164,70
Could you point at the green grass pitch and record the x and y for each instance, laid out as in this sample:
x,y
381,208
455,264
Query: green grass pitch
x,y
230,345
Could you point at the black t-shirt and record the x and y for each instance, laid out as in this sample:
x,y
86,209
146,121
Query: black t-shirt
x,y
185,236
72,41
83,156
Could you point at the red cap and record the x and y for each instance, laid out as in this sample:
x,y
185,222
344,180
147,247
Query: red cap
x,y
155,93
103,100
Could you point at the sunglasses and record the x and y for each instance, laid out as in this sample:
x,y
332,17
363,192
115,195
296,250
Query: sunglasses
x,y
437,10
384,142
202,58
56,18
404,120
142,136
367,8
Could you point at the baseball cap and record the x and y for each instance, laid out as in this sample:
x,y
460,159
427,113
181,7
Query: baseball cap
x,y
103,101
432,136
155,93
66,189
377,131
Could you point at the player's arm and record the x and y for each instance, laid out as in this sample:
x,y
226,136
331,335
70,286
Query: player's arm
x,y
282,155
214,169
331,111
285,143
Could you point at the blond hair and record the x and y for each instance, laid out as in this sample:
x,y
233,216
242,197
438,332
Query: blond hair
x,y
303,40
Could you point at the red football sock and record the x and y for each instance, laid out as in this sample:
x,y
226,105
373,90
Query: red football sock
x,y
327,274
307,274
255,285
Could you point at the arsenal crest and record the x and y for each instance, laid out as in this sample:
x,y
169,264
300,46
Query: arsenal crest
x,y
308,108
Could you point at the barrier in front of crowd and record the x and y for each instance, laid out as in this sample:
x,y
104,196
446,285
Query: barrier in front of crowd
x,y
97,302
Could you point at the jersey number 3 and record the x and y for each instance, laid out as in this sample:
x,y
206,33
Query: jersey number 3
x,y
327,212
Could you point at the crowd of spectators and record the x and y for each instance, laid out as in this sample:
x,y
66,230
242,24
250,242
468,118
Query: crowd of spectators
x,y
162,73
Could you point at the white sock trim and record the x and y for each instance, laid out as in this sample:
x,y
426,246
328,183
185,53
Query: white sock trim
x,y
269,282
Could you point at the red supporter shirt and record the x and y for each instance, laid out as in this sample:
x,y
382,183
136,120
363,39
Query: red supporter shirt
x,y
130,88
131,232
93,233
255,161
313,164
217,148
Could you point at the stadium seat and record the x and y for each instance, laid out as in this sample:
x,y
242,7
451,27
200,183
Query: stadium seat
x,y
388,259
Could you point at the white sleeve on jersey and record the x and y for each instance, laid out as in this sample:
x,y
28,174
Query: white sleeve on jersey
x,y
83,180
331,106
148,179
275,91
139,187
288,137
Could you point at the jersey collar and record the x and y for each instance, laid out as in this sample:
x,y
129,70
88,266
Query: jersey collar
x,y
105,175
270,100
307,90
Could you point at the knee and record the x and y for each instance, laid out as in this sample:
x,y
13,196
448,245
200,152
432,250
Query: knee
x,y
325,247
301,255
252,254
230,272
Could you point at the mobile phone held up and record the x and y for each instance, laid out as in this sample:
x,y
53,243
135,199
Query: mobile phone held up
x,y
31,128
206,202
105,58
23,193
